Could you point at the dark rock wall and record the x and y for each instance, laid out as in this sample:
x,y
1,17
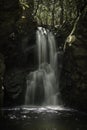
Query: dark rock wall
x,y
17,45
10,12
15,87
2,70
16,33
73,84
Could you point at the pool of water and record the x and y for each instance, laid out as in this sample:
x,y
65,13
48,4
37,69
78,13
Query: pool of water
x,y
42,118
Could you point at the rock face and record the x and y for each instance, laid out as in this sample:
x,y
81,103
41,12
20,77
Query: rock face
x,y
74,73
9,14
15,84
16,32
16,40
2,69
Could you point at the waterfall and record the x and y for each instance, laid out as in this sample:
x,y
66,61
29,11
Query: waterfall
x,y
42,84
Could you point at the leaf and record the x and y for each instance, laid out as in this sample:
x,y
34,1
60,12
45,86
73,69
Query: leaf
x,y
24,4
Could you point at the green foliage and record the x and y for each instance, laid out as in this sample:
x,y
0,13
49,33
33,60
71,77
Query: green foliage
x,y
24,4
54,12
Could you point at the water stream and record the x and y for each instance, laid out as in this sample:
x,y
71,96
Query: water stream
x,y
42,84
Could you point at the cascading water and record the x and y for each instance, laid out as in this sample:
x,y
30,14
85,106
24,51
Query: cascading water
x,y
42,84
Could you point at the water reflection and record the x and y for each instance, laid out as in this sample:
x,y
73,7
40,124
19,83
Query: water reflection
x,y
43,118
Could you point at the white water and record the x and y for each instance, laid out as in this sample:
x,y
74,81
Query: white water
x,y
42,84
